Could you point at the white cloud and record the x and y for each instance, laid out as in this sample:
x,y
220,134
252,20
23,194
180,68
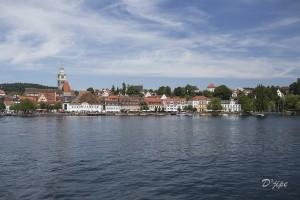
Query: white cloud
x,y
145,41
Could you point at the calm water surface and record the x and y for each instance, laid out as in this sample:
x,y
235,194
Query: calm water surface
x,y
134,157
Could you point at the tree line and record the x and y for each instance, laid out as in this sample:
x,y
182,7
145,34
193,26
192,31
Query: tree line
x,y
19,88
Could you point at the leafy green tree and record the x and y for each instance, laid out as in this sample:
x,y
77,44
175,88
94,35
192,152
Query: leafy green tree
x,y
246,103
214,104
113,89
27,105
271,106
222,92
90,89
179,92
261,102
294,88
132,91
117,91
188,108
164,90
144,106
290,101
161,90
207,93
2,105
45,106
15,106
194,110
123,88
19,88
190,90
168,90
298,105
57,106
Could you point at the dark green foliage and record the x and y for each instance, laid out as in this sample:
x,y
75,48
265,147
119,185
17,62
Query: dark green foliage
x,y
15,106
290,101
298,106
27,105
2,106
246,103
179,92
207,93
164,90
189,108
123,88
19,88
222,92
113,89
90,89
188,91
47,106
132,91
261,101
215,104
144,106
117,91
295,87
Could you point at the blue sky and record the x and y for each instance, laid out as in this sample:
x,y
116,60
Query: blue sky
x,y
239,43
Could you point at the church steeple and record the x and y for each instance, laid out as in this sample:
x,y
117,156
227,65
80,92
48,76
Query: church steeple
x,y
61,78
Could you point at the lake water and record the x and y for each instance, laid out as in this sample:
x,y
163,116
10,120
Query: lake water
x,y
148,157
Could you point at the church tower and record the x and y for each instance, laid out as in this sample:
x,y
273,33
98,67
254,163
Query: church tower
x,y
61,78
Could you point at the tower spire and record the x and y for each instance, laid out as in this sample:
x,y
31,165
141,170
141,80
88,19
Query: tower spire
x,y
62,78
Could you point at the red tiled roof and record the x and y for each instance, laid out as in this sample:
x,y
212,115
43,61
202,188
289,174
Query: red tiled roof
x,y
175,99
33,98
153,100
85,96
49,97
112,98
197,98
66,87
211,86
2,92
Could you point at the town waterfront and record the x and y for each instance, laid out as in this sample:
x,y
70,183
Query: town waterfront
x,y
149,157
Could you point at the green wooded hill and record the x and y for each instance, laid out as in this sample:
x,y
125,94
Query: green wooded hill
x,y
19,88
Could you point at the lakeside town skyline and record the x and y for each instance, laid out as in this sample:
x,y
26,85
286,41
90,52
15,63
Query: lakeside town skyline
x,y
132,98
152,43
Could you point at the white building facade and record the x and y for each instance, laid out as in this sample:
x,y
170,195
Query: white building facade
x,y
173,104
112,108
82,107
231,106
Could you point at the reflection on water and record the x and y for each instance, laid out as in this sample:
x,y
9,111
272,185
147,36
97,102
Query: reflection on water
x,y
134,157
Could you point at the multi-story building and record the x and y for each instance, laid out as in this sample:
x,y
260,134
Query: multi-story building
x,y
129,104
231,106
203,103
154,103
194,102
173,104
84,102
111,104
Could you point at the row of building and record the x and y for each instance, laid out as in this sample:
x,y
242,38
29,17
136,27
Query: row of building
x,y
133,104
85,101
